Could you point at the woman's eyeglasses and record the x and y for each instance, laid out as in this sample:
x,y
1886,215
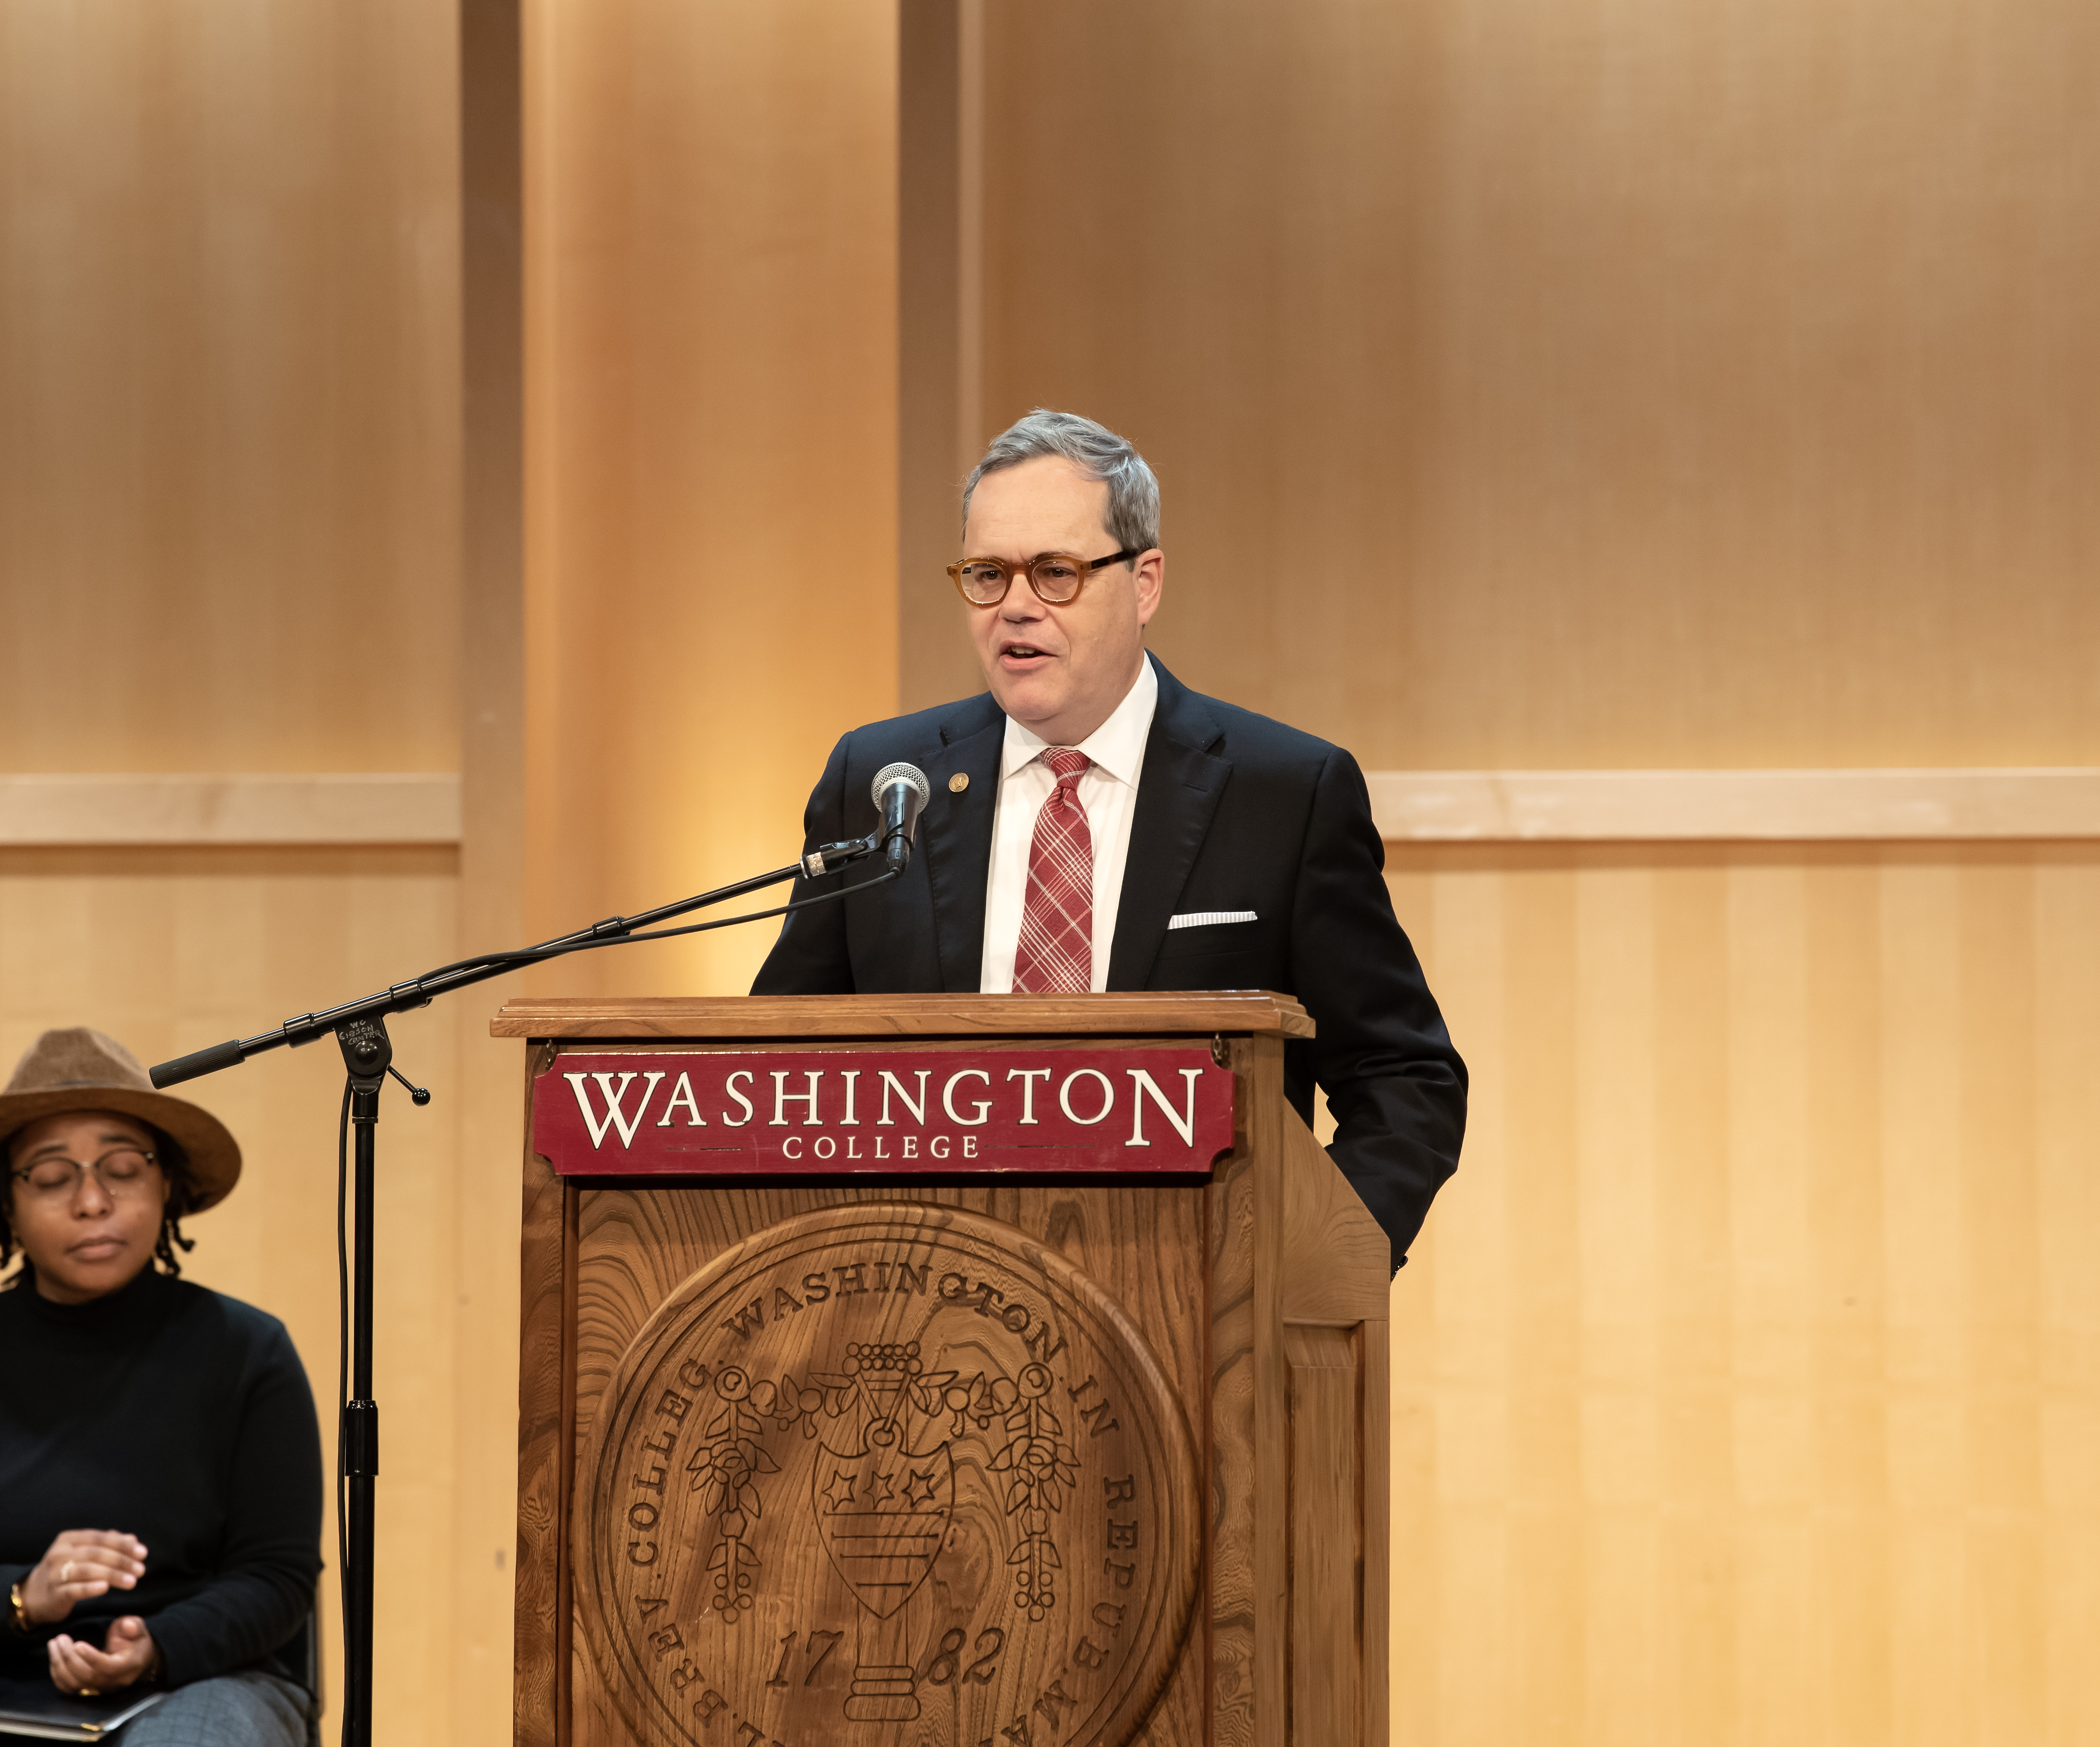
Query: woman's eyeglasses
x,y
124,1171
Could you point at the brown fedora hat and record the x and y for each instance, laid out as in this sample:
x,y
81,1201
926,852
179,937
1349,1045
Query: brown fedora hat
x,y
75,1068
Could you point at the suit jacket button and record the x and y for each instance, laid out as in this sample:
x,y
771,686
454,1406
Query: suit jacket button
x,y
959,782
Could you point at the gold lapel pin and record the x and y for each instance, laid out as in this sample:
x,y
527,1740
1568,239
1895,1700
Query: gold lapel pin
x,y
959,782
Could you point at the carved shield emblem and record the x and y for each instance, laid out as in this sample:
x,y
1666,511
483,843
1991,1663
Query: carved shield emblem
x,y
887,1473
883,1516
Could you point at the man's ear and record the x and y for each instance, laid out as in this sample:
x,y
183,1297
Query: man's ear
x,y
1151,580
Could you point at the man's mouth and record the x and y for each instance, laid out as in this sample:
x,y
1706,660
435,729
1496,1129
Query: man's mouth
x,y
1022,652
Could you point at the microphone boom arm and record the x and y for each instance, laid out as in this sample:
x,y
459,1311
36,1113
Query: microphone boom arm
x,y
615,931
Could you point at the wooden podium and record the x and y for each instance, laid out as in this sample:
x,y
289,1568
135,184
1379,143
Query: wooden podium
x,y
977,1370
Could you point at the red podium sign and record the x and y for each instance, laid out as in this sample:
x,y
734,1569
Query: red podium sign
x,y
967,1112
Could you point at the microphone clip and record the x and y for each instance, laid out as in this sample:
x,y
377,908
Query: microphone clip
x,y
829,858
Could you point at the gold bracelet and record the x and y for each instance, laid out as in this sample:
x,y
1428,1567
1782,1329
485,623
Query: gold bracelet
x,y
18,1616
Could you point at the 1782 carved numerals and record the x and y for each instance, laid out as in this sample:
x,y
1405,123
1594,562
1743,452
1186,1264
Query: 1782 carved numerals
x,y
887,1474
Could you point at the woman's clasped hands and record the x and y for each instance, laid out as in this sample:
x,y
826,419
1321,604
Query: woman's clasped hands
x,y
83,1564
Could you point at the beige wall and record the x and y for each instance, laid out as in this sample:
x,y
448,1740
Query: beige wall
x,y
711,427
1551,385
1532,385
228,411
1746,1383
229,541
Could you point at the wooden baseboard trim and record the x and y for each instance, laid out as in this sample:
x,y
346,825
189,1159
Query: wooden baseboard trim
x,y
1590,806
335,807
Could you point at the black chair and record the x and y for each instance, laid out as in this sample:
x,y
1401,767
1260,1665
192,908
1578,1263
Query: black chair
x,y
304,1653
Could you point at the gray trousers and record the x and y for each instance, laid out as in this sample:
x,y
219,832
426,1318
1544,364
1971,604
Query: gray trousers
x,y
233,1710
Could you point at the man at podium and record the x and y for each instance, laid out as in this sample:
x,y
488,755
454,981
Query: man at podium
x,y
1095,825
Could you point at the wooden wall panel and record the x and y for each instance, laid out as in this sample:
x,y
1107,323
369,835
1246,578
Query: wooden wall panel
x,y
1556,386
1746,1378
940,307
230,531
473,1707
711,412
229,409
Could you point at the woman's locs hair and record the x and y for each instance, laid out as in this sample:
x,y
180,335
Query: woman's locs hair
x,y
175,1166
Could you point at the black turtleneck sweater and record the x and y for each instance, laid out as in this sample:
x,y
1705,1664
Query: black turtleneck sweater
x,y
171,1413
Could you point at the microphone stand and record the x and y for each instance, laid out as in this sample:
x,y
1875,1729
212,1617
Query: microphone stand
x,y
360,1028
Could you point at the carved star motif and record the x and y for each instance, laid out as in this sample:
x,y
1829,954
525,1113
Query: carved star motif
x,y
839,1494
920,1478
880,1488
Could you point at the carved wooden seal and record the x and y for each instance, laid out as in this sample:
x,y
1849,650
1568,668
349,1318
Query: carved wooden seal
x,y
887,1474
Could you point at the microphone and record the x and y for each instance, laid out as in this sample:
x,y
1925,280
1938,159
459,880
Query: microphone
x,y
899,790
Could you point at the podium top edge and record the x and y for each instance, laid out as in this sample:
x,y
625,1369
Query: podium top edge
x,y
715,1018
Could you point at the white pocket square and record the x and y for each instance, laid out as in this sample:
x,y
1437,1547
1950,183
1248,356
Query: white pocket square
x,y
1206,918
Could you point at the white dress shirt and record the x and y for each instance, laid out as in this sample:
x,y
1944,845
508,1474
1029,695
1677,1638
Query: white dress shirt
x,y
1108,792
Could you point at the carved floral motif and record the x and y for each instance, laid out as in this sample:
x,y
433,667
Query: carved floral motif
x,y
878,1393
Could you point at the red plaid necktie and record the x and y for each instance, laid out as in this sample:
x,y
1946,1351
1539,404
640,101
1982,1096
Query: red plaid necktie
x,y
1056,953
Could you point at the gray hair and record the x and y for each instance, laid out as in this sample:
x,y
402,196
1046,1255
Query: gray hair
x,y
1098,452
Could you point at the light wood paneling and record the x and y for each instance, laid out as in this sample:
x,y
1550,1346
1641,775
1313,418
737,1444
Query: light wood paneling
x,y
710,411
1852,806
343,807
473,1708
1409,806
230,524
940,309
229,406
1548,386
1747,1375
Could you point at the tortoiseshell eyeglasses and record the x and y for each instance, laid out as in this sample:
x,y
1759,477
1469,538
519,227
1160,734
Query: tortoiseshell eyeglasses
x,y
1056,577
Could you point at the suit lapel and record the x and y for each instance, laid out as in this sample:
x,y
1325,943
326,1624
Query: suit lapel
x,y
955,837
1177,797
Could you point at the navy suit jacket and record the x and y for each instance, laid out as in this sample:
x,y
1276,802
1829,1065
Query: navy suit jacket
x,y
1234,812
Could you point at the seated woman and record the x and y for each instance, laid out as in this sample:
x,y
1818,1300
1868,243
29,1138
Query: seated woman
x,y
160,1462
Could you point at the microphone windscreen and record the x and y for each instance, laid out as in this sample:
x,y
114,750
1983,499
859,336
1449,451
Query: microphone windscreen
x,y
910,773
